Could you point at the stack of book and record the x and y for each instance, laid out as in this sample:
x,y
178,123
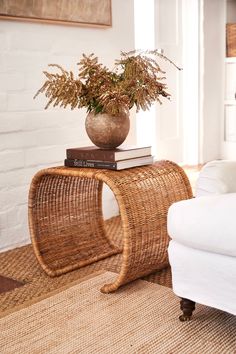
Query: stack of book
x,y
115,159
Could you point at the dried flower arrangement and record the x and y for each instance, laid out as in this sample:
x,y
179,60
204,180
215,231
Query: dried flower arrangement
x,y
135,81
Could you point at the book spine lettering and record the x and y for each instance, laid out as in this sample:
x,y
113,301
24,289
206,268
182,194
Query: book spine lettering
x,y
91,164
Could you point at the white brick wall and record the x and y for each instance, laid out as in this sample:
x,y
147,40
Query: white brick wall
x,y
30,137
3,102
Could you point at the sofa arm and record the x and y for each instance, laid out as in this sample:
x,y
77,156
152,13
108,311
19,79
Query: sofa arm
x,y
207,223
217,177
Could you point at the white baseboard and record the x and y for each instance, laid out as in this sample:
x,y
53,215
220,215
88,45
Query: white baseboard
x,y
15,245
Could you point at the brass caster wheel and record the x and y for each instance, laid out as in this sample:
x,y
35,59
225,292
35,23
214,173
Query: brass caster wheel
x,y
184,318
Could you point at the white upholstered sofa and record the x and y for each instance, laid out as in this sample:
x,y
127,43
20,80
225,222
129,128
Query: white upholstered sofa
x,y
202,250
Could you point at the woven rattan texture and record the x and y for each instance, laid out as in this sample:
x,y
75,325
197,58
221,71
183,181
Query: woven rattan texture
x,y
231,39
67,226
22,265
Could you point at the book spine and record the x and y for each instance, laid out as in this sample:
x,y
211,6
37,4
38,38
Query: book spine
x,y
90,155
90,164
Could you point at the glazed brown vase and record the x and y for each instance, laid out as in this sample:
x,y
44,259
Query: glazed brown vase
x,y
107,131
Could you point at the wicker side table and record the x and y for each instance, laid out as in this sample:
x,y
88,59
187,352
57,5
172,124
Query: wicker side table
x,y
66,222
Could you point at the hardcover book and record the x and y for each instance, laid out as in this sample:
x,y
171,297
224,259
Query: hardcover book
x,y
95,153
116,165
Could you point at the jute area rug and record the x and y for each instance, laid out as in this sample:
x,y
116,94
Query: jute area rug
x,y
141,317
20,264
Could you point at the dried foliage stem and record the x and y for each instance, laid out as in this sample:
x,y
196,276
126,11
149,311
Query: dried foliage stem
x,y
136,80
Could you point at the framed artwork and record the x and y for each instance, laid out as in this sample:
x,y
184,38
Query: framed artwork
x,y
95,13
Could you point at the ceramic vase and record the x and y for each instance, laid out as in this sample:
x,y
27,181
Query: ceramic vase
x,y
107,131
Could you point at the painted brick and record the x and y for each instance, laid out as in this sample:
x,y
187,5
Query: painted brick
x,y
67,61
41,137
3,102
21,215
28,133
44,155
13,216
17,140
13,197
4,40
16,178
11,122
21,102
30,41
53,118
3,218
14,237
12,81
68,46
10,160
3,62
25,61
54,136
33,79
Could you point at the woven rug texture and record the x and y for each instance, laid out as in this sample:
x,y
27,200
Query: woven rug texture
x,y
141,317
21,264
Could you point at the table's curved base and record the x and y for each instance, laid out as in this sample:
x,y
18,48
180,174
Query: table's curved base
x,y
67,226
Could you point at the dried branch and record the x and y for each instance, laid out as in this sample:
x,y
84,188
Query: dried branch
x,y
135,81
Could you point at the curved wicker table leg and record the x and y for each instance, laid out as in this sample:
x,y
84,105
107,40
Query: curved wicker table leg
x,y
67,228
66,222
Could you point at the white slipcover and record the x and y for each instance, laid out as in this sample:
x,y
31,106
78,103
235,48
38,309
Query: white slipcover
x,y
217,177
206,223
204,277
202,252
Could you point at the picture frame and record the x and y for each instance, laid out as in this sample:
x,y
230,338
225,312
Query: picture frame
x,y
89,13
